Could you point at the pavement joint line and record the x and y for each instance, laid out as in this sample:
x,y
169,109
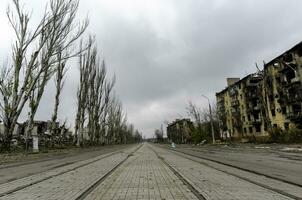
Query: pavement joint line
x,y
181,177
100,180
31,162
241,168
58,157
63,172
241,177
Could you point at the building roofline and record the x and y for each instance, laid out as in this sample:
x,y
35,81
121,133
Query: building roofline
x,y
236,83
265,66
222,91
179,120
278,57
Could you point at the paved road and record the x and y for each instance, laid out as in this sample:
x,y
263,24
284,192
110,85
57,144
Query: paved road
x,y
147,171
17,170
270,161
143,176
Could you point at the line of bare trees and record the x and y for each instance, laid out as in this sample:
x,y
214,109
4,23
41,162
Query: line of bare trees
x,y
40,53
202,124
100,118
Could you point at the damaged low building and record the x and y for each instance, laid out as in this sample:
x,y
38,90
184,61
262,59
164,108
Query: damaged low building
x,y
40,134
180,131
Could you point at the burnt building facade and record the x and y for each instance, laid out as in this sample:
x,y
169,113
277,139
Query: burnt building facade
x,y
283,88
268,99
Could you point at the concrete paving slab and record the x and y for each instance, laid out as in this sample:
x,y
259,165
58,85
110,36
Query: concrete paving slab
x,y
143,176
68,185
214,184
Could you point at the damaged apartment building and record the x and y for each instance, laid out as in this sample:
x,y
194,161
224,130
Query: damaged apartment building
x,y
272,98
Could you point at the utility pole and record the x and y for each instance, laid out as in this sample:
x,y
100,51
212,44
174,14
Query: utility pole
x,y
211,118
162,131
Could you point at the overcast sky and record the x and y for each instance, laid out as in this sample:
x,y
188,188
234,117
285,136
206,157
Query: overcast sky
x,y
167,52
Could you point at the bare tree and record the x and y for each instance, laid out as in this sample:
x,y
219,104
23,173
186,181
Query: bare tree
x,y
263,90
202,120
99,99
116,120
158,135
35,55
94,94
195,112
14,93
84,66
59,83
61,34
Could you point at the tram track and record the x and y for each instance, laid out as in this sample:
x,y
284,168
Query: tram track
x,y
98,182
180,177
75,169
276,190
240,168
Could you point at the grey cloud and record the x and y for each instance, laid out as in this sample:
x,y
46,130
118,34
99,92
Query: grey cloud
x,y
186,48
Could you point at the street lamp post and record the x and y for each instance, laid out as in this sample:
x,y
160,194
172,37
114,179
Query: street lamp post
x,y
211,118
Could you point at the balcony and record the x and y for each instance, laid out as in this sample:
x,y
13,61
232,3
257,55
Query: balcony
x,y
221,108
294,97
284,69
257,107
235,112
233,92
293,81
256,121
294,116
288,67
253,82
237,124
220,100
234,103
251,95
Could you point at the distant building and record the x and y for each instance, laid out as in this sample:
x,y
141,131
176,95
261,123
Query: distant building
x,y
180,131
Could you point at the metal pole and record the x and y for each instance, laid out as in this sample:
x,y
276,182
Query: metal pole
x,y
211,118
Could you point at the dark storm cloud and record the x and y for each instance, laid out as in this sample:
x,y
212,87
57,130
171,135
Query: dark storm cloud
x,y
165,53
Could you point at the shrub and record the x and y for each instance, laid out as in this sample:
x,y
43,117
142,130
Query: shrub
x,y
275,134
293,135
